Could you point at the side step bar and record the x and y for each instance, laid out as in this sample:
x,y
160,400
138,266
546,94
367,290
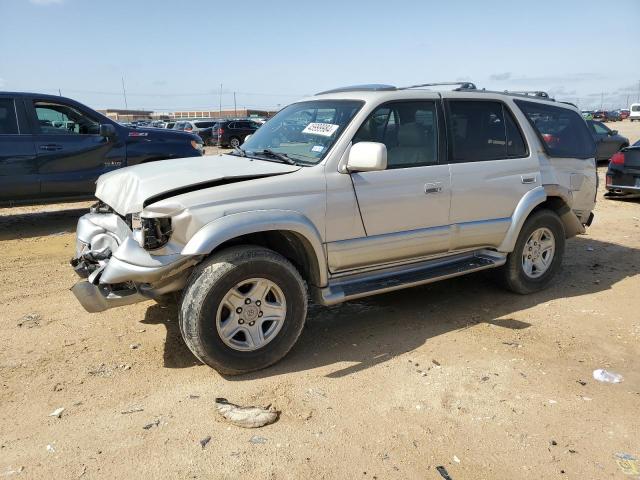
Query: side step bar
x,y
386,280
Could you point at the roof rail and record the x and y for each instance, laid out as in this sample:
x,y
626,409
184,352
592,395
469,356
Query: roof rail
x,y
369,87
535,93
462,85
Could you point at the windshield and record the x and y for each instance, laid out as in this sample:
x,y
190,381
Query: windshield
x,y
303,131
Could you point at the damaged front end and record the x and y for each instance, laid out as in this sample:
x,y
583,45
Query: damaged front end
x,y
113,258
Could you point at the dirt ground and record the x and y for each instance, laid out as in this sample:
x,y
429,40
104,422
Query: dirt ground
x,y
459,374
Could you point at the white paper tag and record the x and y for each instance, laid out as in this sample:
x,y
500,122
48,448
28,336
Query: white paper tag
x,y
322,129
317,148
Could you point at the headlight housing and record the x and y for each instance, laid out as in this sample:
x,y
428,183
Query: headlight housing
x,y
151,233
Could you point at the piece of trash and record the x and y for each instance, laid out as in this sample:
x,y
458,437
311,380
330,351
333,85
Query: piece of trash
x,y
603,375
257,440
57,412
134,346
149,426
581,382
30,320
553,442
246,417
443,472
436,363
50,449
586,399
552,402
10,471
629,464
589,249
456,459
142,330
193,397
204,441
133,409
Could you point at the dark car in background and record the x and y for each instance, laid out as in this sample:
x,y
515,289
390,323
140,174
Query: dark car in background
x,y
613,116
623,174
53,148
608,141
232,133
202,128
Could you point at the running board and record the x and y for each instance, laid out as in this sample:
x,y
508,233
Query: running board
x,y
381,281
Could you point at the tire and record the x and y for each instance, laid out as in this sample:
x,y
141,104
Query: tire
x,y
512,274
208,300
235,142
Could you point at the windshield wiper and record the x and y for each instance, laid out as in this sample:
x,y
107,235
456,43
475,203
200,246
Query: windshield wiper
x,y
239,151
280,156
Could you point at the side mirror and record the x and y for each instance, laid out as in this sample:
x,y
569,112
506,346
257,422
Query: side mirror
x,y
367,157
613,132
107,130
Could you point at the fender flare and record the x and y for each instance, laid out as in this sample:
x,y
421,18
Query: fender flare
x,y
527,203
234,225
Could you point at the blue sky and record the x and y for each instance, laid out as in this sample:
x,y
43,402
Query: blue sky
x,y
175,54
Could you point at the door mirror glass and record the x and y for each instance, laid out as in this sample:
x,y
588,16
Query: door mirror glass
x,y
367,157
107,130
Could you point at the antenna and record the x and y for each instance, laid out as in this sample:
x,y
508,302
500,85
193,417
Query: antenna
x,y
124,93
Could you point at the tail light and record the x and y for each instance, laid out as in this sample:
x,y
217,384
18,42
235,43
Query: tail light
x,y
550,140
617,159
608,180
220,131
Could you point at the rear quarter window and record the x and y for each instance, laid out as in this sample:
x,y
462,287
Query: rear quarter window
x,y
563,132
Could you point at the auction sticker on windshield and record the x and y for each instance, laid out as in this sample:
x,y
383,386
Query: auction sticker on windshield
x,y
322,129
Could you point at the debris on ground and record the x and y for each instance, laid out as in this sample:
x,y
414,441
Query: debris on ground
x,y
629,464
443,472
257,440
606,376
204,441
101,370
50,449
10,471
581,382
133,409
57,412
135,346
456,459
30,320
149,426
246,417
193,397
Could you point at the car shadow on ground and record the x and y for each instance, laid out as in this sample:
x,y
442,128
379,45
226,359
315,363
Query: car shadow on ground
x,y
357,335
39,224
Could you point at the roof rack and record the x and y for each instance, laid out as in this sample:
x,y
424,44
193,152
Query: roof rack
x,y
535,93
369,87
462,85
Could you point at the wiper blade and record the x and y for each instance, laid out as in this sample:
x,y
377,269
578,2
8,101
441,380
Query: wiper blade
x,y
280,156
239,151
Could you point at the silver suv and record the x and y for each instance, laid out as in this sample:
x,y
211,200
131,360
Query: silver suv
x,y
349,193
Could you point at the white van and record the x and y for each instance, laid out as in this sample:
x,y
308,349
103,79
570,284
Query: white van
x,y
634,112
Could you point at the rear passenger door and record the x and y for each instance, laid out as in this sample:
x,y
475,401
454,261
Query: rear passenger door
x,y
18,166
492,168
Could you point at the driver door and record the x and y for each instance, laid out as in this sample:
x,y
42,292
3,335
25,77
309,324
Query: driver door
x,y
71,154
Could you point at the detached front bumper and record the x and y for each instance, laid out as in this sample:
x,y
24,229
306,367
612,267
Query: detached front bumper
x,y
116,270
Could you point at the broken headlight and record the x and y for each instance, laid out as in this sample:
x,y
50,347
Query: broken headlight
x,y
151,233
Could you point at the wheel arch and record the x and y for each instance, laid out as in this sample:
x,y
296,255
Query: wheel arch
x,y
287,232
552,197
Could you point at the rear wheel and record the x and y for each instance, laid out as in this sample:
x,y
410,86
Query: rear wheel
x,y
234,142
537,255
243,309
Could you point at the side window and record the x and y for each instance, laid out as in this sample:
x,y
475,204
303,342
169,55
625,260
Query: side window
x,y
8,122
59,119
482,131
408,129
599,128
563,132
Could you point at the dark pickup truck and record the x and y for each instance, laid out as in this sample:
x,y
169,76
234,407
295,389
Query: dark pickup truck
x,y
54,148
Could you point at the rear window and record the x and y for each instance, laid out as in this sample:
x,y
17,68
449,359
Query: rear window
x,y
8,123
635,108
563,132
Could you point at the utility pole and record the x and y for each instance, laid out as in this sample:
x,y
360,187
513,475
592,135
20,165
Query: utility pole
x,y
124,93
638,91
220,102
601,101
235,108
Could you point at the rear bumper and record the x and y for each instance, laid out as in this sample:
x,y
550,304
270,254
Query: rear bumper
x,y
622,189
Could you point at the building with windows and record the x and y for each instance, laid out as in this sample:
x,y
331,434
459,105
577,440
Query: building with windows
x,y
236,113
119,115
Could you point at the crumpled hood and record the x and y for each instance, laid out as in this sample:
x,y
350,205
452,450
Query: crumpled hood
x,y
126,190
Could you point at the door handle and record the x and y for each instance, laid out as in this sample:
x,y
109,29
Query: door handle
x,y
51,147
531,179
432,188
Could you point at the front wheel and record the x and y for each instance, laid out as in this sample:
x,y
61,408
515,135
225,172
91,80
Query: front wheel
x,y
234,142
537,255
243,309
